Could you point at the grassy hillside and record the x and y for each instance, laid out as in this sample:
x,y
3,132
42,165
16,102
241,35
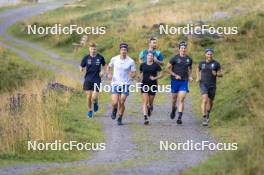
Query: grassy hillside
x,y
238,110
45,117
14,72
127,20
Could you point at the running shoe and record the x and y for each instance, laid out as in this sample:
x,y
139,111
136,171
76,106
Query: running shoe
x,y
205,121
119,121
113,115
90,114
179,121
146,122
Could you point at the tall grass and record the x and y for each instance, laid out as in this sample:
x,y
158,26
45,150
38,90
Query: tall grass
x,y
34,120
41,115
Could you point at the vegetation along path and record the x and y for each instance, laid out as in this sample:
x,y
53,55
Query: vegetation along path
x,y
130,149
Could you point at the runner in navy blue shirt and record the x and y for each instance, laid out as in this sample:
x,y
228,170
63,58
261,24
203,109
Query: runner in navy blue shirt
x,y
180,69
206,74
92,62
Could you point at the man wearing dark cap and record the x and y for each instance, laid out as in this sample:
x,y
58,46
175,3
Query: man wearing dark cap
x,y
124,69
180,69
206,74
92,62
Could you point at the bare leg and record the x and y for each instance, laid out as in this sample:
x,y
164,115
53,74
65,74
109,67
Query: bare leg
x,y
145,97
204,104
182,96
122,101
94,96
151,99
173,105
209,106
89,100
174,99
115,99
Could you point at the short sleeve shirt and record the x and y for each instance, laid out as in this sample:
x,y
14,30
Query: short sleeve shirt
x,y
121,69
181,66
206,69
93,67
149,70
143,55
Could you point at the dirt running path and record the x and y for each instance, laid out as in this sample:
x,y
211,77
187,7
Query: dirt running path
x,y
132,141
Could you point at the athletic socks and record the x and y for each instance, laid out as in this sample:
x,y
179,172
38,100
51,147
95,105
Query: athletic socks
x,y
179,120
179,115
151,108
149,111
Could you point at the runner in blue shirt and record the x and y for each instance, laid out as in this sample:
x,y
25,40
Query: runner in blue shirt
x,y
158,56
92,62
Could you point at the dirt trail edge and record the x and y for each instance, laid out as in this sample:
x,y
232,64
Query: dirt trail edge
x,y
133,141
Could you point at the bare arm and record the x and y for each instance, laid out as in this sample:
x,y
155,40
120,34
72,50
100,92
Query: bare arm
x,y
198,75
109,72
132,74
190,74
140,60
103,71
158,61
220,73
160,75
170,72
81,68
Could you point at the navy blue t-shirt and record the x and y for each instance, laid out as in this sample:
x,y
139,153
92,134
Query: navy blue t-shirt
x,y
206,69
181,66
93,67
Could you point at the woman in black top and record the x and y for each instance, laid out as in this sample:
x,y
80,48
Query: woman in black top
x,y
150,73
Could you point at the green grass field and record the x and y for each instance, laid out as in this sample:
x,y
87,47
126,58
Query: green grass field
x,y
14,71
